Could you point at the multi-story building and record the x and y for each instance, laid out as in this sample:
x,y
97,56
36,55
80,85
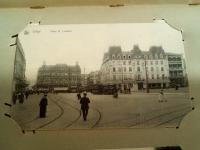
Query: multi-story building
x,y
135,68
84,79
177,71
93,77
60,75
19,80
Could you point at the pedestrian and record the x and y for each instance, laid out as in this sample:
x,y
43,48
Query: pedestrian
x,y
85,105
14,97
43,106
115,92
26,94
161,97
21,97
79,95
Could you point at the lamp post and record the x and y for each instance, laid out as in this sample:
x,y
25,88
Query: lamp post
x,y
147,82
122,85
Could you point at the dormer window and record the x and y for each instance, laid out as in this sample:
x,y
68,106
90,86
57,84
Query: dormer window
x,y
161,55
156,56
129,57
124,57
113,56
118,57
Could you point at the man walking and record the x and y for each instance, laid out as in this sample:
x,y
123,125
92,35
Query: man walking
x,y
43,106
85,105
161,97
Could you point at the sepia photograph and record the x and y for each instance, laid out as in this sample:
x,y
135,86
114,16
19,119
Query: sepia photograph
x,y
96,76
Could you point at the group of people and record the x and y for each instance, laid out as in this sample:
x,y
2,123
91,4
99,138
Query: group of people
x,y
19,96
84,101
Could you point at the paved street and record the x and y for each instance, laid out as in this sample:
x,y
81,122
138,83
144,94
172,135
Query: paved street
x,y
135,110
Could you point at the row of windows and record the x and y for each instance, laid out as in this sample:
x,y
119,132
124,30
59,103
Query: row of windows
x,y
175,65
147,62
138,77
139,56
130,69
174,58
58,74
55,79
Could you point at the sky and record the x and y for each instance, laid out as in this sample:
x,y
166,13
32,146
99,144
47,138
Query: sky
x,y
86,43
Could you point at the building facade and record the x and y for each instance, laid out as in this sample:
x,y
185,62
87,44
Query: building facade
x,y
93,78
177,69
137,69
59,75
19,79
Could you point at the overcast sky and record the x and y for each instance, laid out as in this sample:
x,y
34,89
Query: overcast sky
x,y
86,43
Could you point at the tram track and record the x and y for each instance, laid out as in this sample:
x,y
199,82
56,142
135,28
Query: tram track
x,y
75,120
162,115
56,118
98,120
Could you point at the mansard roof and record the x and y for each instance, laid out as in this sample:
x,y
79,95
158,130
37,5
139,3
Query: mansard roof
x,y
156,50
114,50
136,50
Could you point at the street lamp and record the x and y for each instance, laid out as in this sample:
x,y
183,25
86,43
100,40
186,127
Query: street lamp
x,y
147,82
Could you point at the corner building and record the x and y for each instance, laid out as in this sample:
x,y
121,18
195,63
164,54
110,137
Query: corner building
x,y
135,68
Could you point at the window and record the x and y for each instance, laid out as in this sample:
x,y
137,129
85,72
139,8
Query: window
x,y
162,69
114,77
158,77
124,62
124,69
161,55
124,57
113,56
118,57
161,62
151,62
163,76
138,62
129,62
114,69
129,57
152,76
156,62
156,56
138,68
139,77
130,69
151,68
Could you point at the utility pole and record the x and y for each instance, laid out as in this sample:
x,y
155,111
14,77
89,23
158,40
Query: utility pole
x,y
147,82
